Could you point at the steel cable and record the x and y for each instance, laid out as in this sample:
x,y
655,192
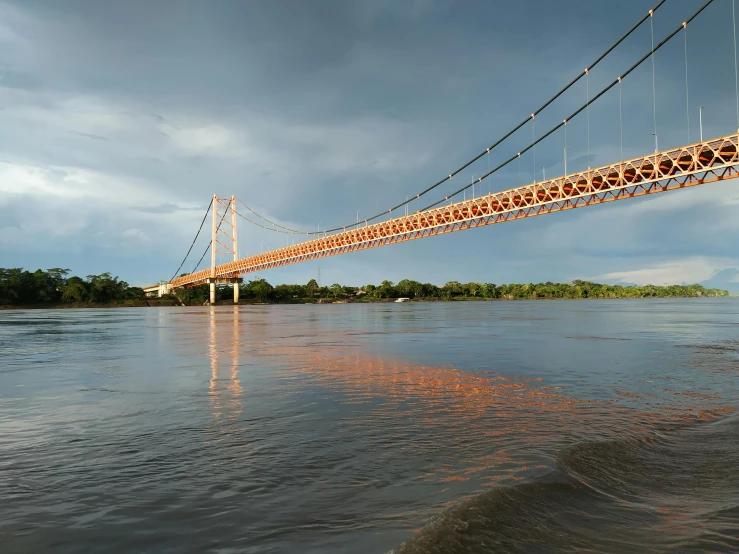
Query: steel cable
x,y
516,128
476,158
654,89
202,257
210,244
269,228
196,238
620,115
277,224
587,109
687,88
487,151
579,110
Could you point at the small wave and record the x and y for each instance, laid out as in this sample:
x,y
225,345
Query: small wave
x,y
589,337
669,491
724,346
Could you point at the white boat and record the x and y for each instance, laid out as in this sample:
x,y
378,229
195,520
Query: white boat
x,y
402,299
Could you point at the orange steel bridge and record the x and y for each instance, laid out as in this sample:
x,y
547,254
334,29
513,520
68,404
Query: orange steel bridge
x,y
686,166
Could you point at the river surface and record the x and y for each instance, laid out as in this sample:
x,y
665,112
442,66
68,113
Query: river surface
x,y
579,426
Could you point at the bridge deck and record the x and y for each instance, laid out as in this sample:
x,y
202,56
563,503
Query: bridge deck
x,y
687,166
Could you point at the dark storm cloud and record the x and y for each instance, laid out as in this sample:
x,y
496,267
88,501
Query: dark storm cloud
x,y
311,111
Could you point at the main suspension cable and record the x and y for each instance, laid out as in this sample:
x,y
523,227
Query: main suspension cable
x,y
579,110
287,232
473,160
512,131
196,238
276,224
202,257
530,146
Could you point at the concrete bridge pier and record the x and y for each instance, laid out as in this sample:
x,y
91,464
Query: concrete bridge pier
x,y
235,281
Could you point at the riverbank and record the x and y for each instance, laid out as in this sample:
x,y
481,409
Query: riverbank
x,y
168,302
147,303
54,289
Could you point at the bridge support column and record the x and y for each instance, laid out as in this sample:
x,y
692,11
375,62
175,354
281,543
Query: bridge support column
x,y
235,281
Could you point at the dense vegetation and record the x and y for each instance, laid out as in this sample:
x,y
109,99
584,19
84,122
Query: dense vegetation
x,y
19,287
53,286
260,290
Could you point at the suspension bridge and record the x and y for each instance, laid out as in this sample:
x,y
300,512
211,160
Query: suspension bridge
x,y
699,163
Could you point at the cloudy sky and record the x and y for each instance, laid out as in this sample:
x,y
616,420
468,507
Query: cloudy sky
x,y
119,120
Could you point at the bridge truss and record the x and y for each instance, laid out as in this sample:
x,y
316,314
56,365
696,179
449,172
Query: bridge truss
x,y
686,166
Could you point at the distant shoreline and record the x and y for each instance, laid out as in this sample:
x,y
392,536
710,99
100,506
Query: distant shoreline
x,y
156,303
55,289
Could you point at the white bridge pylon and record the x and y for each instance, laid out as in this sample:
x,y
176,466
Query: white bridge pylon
x,y
224,241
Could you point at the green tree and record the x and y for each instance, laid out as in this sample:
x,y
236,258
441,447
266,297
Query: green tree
x,y
452,289
409,289
261,289
429,290
194,296
75,290
105,288
312,287
474,289
385,290
488,290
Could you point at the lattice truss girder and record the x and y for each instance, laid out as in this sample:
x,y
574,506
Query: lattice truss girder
x,y
683,167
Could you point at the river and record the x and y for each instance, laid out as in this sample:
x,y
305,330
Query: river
x,y
605,426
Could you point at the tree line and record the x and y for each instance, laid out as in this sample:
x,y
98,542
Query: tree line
x,y
260,290
53,286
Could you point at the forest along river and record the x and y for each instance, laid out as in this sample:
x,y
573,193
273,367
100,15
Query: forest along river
x,y
440,427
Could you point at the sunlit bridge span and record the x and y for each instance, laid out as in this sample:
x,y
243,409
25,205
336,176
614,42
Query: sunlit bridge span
x,y
659,171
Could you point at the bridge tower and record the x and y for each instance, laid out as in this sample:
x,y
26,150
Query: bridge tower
x,y
224,241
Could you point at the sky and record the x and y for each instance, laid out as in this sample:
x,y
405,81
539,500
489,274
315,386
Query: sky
x,y
120,120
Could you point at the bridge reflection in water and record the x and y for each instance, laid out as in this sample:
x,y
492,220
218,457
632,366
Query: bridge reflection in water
x,y
225,386
480,416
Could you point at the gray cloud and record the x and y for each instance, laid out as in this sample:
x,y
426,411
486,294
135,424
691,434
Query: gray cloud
x,y
19,80
727,279
91,136
164,209
120,120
